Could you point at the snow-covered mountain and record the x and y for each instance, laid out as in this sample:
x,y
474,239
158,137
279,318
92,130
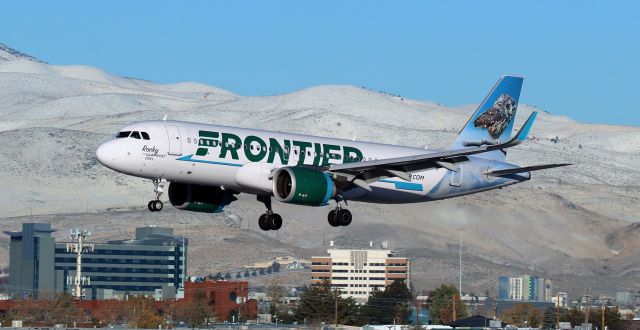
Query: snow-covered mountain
x,y
564,223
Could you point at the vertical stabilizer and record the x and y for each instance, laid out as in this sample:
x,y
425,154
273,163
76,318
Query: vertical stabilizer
x,y
493,121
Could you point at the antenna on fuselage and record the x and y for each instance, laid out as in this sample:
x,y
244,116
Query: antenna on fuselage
x,y
165,117
355,136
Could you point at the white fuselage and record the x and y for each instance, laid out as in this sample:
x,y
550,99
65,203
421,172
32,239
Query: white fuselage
x,y
242,160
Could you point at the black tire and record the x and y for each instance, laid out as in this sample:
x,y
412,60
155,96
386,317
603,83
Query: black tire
x,y
344,217
333,218
150,206
157,205
275,222
262,222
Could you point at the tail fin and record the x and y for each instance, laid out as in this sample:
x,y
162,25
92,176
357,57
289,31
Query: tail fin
x,y
493,121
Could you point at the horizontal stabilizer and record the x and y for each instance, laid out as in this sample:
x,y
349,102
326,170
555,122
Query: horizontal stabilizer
x,y
523,169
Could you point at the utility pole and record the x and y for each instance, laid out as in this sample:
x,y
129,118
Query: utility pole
x,y
417,312
603,309
557,311
79,247
586,309
335,315
460,264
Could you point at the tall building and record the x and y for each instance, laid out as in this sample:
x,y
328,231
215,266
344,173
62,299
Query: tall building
x,y
356,273
31,261
152,264
524,288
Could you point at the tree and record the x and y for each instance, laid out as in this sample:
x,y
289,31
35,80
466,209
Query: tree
x,y
63,309
276,266
550,318
194,311
574,316
275,292
227,276
253,273
523,315
238,275
441,305
611,317
389,306
318,304
246,273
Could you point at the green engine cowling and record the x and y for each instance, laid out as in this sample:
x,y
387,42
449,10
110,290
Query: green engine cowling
x,y
196,198
302,185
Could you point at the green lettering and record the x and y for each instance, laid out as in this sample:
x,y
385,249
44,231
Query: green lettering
x,y
317,156
228,145
261,148
328,155
303,150
275,147
351,154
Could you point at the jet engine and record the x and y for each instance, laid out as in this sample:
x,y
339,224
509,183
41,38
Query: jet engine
x,y
196,198
302,185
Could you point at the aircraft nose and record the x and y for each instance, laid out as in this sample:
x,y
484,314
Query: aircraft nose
x,y
107,154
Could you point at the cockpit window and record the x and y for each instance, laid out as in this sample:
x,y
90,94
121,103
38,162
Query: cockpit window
x,y
145,135
135,135
123,134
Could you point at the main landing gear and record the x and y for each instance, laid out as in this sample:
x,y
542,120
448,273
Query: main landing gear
x,y
269,220
339,217
156,205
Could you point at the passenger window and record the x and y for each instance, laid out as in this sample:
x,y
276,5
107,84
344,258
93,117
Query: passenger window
x,y
123,134
135,135
188,139
145,135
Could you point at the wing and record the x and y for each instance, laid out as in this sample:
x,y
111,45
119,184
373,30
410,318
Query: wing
x,y
363,173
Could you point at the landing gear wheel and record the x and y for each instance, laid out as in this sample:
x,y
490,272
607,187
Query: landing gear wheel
x,y
344,217
262,222
333,219
275,221
156,204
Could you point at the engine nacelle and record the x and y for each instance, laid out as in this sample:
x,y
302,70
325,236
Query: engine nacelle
x,y
198,198
301,185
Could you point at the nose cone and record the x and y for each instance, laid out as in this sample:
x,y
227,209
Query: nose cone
x,y
110,155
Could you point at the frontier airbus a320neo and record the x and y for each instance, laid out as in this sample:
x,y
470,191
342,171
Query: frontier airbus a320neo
x,y
207,165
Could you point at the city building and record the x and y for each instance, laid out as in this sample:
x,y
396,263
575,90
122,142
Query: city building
x,y
561,299
229,300
524,288
31,256
356,273
152,264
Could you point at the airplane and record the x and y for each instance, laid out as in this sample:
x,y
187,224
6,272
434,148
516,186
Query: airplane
x,y
206,166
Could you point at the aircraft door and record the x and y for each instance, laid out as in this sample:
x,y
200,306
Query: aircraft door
x,y
294,156
175,145
456,177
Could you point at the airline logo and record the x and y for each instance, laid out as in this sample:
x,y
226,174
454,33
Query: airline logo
x,y
256,149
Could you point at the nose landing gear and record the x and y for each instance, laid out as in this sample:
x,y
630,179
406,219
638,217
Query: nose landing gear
x,y
269,220
156,205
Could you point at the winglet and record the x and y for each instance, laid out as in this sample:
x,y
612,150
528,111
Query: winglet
x,y
524,131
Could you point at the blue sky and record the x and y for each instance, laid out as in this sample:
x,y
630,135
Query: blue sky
x,y
580,58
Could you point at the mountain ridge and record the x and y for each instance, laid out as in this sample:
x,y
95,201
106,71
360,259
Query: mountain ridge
x,y
561,223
